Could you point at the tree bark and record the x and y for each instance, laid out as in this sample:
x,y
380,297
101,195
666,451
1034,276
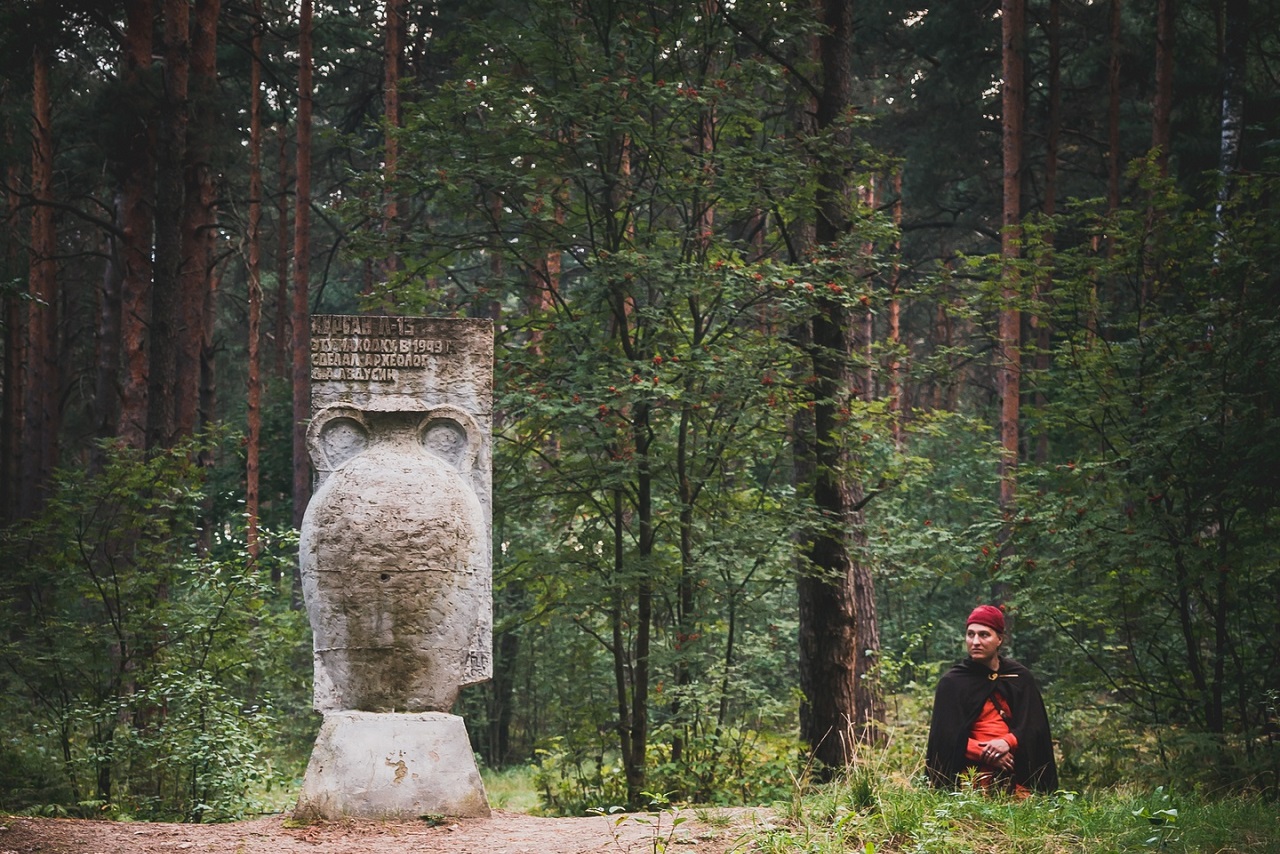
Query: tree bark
x,y
1009,332
1039,323
839,635
395,25
15,360
1232,63
166,302
619,649
137,191
897,394
253,441
106,339
1113,109
41,421
640,664
300,345
284,246
1162,106
199,227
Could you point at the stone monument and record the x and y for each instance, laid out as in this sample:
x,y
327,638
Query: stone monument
x,y
396,562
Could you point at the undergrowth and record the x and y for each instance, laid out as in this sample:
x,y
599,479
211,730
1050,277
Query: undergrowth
x,y
865,813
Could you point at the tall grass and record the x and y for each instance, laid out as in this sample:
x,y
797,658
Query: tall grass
x,y
511,788
865,812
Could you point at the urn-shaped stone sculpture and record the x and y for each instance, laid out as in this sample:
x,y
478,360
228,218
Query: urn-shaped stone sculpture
x,y
393,550
396,563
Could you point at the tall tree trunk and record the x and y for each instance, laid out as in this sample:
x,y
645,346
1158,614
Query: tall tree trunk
x,y
640,664
300,345
284,246
686,588
1009,333
619,646
897,395
199,227
1053,133
838,634
1044,285
15,354
253,444
207,403
865,386
502,689
1113,109
686,599
1162,106
166,300
137,191
395,29
41,420
1235,23
106,406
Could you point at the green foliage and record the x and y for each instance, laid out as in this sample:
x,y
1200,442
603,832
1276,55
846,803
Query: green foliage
x,y
726,767
574,783
1148,544
932,540
717,769
140,662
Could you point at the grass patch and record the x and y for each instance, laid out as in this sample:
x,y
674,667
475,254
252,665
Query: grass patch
x,y
863,814
511,788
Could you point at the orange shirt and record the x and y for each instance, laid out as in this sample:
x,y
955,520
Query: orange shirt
x,y
990,724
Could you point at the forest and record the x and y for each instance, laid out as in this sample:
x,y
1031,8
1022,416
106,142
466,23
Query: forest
x,y
817,324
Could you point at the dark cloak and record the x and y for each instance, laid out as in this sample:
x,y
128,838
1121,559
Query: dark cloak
x,y
961,693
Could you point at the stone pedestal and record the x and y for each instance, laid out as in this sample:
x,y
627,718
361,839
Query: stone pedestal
x,y
391,767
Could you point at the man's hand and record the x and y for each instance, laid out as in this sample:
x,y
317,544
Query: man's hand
x,y
997,753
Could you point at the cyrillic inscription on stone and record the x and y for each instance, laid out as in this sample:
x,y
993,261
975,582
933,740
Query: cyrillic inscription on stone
x,y
349,349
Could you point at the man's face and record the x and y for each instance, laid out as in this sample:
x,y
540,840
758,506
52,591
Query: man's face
x,y
983,643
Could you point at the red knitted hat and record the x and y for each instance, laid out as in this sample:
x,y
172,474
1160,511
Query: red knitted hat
x,y
989,616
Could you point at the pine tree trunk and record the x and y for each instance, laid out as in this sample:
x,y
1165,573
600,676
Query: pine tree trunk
x,y
253,440
1162,106
1113,109
838,633
15,361
395,24
199,226
166,301
207,403
41,420
1039,323
137,191
284,246
106,339
1009,332
897,394
300,318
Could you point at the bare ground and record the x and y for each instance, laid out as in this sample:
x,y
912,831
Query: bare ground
x,y
704,831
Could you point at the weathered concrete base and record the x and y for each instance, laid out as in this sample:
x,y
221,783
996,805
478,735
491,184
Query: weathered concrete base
x,y
391,766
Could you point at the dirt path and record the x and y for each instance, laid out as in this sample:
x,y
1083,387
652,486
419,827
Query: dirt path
x,y
505,832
